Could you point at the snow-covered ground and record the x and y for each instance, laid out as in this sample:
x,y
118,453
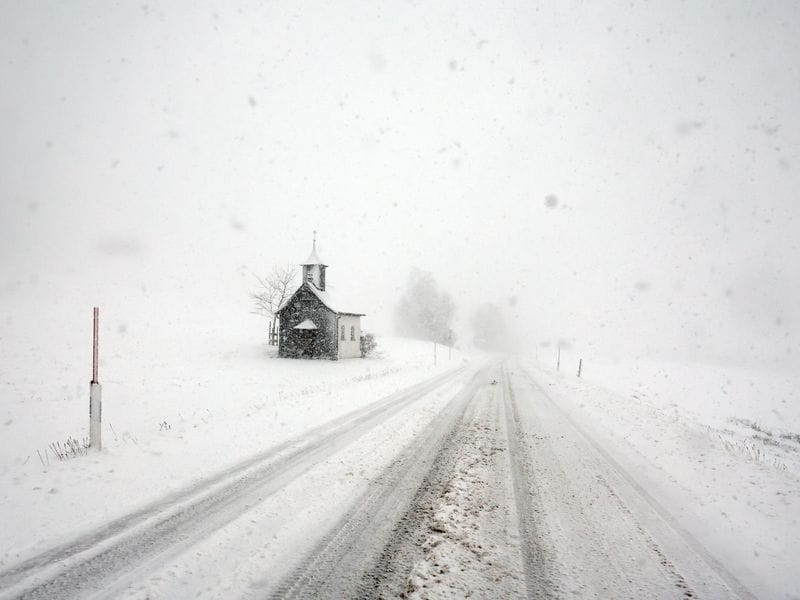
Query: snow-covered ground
x,y
718,447
175,411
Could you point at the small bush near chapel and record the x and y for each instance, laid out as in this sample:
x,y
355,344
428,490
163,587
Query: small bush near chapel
x,y
368,345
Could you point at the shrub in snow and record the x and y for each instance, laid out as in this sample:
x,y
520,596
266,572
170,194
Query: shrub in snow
x,y
368,345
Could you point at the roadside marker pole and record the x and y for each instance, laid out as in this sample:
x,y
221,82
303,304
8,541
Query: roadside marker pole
x,y
95,391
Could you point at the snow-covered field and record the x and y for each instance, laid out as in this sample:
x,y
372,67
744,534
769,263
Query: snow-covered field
x,y
718,447
174,412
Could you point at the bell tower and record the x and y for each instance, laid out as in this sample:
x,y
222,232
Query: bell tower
x,y
314,268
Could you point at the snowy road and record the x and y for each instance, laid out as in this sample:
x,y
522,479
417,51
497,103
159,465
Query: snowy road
x,y
601,533
140,540
471,484
504,496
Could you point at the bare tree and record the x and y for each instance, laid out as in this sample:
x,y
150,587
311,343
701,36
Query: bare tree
x,y
274,290
423,311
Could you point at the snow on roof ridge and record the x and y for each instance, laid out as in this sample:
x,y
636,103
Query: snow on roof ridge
x,y
329,300
324,296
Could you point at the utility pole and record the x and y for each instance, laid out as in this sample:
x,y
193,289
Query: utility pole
x,y
580,366
95,392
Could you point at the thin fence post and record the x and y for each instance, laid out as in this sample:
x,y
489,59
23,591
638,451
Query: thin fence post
x,y
95,391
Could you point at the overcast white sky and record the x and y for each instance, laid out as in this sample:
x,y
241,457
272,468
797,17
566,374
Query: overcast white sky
x,y
628,171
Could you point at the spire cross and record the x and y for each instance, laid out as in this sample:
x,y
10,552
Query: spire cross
x,y
315,237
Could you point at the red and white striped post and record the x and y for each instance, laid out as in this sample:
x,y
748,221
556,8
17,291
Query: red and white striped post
x,y
95,392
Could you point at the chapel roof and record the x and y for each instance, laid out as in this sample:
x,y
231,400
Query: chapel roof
x,y
331,301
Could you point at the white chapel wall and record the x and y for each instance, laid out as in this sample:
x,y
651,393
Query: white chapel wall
x,y
349,348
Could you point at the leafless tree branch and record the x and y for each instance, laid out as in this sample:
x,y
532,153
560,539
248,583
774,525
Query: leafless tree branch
x,y
274,290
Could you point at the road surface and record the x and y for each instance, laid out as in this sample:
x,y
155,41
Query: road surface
x,y
472,484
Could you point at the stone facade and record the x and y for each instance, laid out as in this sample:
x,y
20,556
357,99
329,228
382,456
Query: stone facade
x,y
315,343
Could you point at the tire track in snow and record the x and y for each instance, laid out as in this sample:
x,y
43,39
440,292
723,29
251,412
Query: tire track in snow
x,y
175,522
663,559
535,560
430,526
661,527
461,537
352,559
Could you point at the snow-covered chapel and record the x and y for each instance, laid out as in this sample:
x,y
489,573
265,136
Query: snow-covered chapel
x,y
311,322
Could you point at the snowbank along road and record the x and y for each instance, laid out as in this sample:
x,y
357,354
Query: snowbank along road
x,y
489,491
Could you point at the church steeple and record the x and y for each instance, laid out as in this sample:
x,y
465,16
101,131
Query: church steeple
x,y
314,268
